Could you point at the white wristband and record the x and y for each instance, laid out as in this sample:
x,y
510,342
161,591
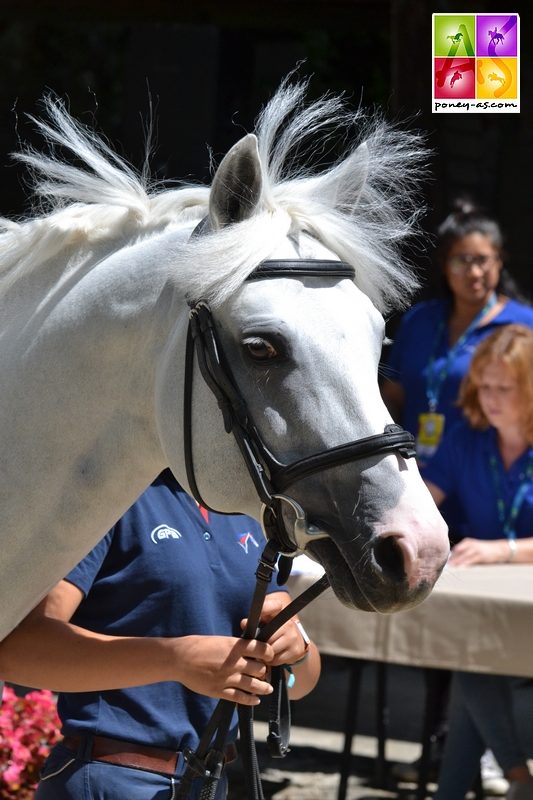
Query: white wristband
x,y
305,637
307,641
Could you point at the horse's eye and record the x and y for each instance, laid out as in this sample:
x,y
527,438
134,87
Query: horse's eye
x,y
260,349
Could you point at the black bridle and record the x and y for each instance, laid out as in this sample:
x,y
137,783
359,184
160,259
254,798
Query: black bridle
x,y
271,478
269,475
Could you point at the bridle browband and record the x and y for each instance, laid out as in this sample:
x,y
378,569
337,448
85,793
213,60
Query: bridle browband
x,y
270,477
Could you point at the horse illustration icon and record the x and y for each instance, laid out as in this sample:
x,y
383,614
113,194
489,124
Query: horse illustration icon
x,y
455,77
456,39
495,77
495,37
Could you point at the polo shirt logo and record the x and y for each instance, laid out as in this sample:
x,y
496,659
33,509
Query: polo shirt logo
x,y
163,532
245,540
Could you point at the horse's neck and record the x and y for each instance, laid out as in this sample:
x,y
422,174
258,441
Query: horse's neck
x,y
77,418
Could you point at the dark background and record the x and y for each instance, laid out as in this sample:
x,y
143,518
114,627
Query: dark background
x,y
207,67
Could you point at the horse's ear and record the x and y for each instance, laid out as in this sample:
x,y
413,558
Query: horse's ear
x,y
237,184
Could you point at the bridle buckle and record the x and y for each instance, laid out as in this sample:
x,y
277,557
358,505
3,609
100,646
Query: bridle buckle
x,y
302,531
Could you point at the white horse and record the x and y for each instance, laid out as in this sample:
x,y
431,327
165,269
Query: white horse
x,y
94,295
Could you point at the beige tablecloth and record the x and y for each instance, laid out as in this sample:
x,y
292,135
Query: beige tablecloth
x,y
478,619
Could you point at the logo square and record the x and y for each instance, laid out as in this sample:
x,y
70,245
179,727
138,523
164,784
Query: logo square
x,y
455,78
497,35
475,63
454,35
497,78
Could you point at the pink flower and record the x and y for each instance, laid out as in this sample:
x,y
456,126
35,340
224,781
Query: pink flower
x,y
29,727
12,775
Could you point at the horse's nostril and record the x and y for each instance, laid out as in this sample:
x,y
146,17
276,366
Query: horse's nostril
x,y
390,558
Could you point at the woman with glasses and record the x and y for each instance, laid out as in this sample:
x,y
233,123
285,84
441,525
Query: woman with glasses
x,y
430,356
436,339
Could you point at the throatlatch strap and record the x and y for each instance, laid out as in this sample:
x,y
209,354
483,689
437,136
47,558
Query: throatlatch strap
x,y
187,418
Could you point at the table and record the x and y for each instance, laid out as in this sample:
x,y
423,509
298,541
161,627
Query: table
x,y
477,619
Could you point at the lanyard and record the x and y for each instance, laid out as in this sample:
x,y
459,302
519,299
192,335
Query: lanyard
x,y
507,521
435,379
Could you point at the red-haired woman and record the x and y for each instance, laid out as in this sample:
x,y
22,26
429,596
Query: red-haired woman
x,y
486,463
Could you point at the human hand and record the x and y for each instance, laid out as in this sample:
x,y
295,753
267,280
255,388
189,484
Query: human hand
x,y
225,667
479,551
287,642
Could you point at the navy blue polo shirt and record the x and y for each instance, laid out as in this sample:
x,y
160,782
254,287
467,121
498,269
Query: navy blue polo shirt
x,y
461,468
163,570
415,343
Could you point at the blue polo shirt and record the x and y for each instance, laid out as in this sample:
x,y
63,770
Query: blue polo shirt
x,y
461,468
163,570
415,343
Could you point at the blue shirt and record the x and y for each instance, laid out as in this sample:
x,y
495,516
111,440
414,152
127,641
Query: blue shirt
x,y
461,468
415,344
163,570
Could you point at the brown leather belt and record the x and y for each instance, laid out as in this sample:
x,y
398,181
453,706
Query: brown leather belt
x,y
135,756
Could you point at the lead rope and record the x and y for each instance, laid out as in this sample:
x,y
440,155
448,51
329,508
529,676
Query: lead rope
x,y
207,761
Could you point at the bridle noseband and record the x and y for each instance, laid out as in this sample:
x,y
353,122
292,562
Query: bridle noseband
x,y
271,477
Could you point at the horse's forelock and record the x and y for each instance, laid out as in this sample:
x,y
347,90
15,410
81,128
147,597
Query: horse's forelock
x,y
213,266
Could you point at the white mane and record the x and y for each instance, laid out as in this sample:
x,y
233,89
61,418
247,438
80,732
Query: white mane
x,y
361,208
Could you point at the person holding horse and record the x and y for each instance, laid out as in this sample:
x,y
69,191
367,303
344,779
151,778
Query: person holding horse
x,y
486,461
139,640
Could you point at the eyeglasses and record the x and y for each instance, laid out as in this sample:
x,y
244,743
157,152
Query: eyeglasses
x,y
462,262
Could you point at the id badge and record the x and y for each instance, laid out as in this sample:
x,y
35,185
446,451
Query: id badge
x,y
430,430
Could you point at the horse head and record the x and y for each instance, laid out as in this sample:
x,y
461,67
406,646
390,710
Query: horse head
x,y
297,351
